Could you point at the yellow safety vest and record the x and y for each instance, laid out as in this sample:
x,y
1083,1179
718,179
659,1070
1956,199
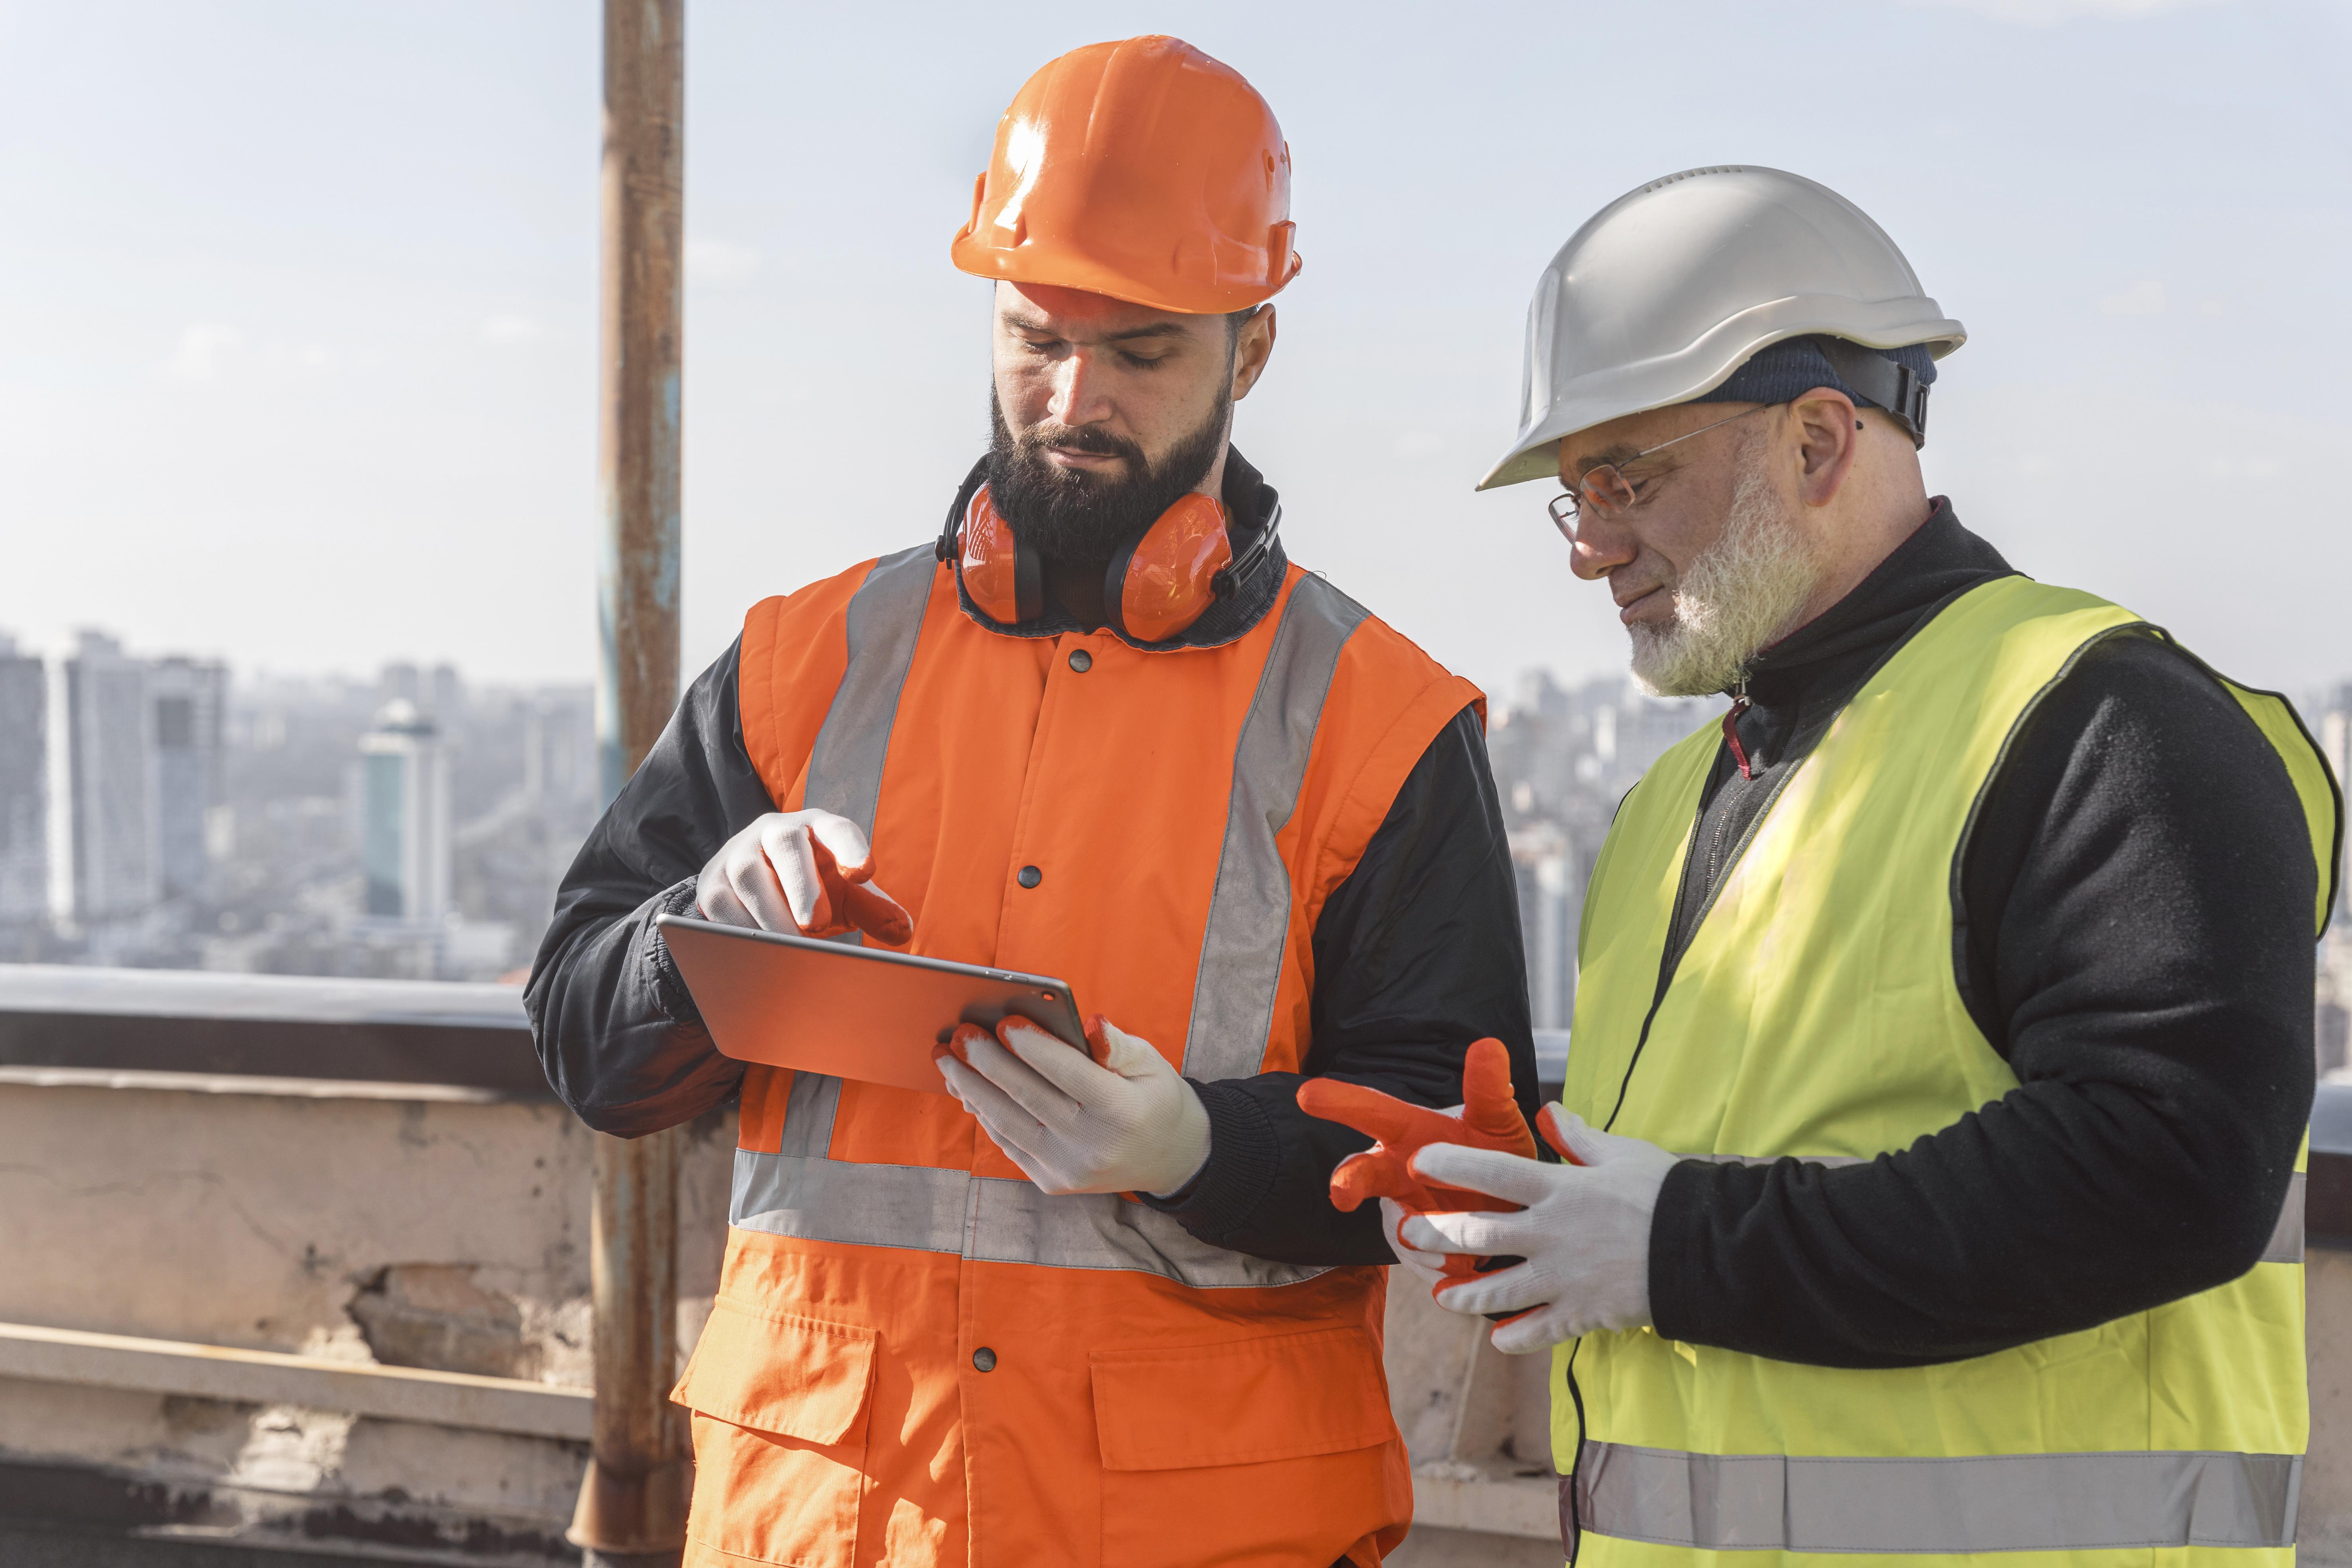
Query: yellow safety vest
x,y
1816,1015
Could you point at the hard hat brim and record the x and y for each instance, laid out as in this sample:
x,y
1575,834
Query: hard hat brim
x,y
1595,399
1064,267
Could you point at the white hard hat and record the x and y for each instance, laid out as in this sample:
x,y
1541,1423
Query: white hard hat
x,y
1668,290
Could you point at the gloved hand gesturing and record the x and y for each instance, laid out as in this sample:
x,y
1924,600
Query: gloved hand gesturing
x,y
1113,1119
1488,1117
805,871
1584,1231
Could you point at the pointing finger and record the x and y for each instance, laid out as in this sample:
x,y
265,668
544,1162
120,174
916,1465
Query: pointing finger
x,y
841,845
874,913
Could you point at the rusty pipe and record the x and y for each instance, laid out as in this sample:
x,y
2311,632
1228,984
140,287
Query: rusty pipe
x,y
633,1499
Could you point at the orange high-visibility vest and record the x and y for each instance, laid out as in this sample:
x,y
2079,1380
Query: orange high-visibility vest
x,y
916,1357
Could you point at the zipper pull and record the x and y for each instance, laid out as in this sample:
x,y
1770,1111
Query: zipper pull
x,y
1731,730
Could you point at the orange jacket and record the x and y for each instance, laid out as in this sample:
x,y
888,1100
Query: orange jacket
x,y
916,1357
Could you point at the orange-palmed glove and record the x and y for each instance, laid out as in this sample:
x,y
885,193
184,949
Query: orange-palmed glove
x,y
1488,1117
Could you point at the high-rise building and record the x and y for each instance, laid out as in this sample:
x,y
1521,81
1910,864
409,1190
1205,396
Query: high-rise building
x,y
443,696
189,700
400,682
405,843
105,859
24,786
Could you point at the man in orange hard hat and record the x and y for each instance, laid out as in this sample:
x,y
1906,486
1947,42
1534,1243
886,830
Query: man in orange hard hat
x,y
1084,1307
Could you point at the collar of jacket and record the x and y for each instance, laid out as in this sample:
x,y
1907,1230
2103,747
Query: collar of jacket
x,y
1250,502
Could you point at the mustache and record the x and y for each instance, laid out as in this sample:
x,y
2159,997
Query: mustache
x,y
1080,438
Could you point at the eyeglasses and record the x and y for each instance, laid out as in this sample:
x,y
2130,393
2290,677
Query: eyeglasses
x,y
1605,488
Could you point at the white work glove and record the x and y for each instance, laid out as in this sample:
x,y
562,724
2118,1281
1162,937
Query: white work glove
x,y
1584,1231
805,871
1129,1125
1422,1266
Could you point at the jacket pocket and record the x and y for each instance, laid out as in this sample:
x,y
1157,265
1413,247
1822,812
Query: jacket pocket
x,y
780,1417
1298,1424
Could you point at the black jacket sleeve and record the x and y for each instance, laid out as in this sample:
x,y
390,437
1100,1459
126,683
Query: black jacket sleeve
x,y
1417,954
616,1031
2133,934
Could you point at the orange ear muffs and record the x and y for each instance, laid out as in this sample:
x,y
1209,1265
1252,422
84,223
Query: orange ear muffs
x,y
1155,587
1003,576
1163,581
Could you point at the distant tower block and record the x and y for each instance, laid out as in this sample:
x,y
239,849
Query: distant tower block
x,y
105,854
405,845
190,701
24,788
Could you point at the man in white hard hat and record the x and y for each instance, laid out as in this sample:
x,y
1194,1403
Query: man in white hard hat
x,y
1942,1047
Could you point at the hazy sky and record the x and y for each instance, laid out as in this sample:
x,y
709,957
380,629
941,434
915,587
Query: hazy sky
x,y
298,332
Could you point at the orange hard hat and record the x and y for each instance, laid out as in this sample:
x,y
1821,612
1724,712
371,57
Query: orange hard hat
x,y
1143,170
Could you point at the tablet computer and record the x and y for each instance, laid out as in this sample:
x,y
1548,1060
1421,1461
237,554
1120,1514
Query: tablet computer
x,y
853,1011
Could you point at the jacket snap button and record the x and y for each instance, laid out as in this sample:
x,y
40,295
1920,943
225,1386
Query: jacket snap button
x,y
1081,660
1031,876
984,1359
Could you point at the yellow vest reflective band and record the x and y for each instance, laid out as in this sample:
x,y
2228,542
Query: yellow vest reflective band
x,y
1816,1015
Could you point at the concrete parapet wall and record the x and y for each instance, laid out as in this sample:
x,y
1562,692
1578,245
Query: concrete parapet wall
x,y
272,1302
361,1229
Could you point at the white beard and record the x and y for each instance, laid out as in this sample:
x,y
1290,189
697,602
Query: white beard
x,y
1740,595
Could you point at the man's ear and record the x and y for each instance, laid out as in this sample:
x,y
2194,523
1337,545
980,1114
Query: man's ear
x,y
1829,436
1252,349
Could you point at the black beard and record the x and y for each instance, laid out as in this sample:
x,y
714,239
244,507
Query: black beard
x,y
1068,516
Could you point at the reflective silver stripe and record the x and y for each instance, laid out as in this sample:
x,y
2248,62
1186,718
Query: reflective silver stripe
x,y
980,1217
808,1115
844,771
2285,1245
2286,1238
2023,1502
886,615
1249,915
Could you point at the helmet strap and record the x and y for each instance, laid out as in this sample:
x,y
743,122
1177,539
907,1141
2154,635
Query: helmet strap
x,y
1890,385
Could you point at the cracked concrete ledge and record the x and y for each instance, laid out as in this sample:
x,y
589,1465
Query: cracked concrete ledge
x,y
35,1354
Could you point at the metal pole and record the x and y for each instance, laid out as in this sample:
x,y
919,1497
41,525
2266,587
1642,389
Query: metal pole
x,y
633,1501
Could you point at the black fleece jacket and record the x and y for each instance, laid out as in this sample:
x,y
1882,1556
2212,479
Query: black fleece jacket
x,y
1417,954
2133,933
